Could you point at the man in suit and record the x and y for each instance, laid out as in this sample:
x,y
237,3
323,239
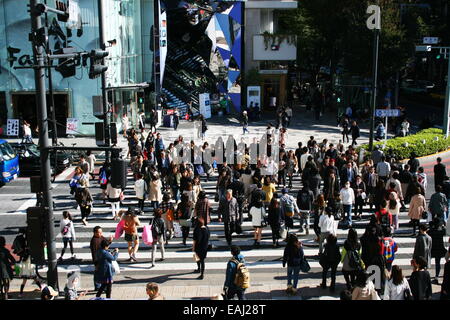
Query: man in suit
x,y
348,174
439,172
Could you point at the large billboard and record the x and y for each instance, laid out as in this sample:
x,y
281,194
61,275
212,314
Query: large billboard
x,y
204,52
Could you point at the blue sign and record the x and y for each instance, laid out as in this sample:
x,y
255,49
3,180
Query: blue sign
x,y
387,113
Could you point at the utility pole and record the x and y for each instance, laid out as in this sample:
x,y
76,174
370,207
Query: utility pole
x,y
447,95
106,119
39,58
374,23
50,90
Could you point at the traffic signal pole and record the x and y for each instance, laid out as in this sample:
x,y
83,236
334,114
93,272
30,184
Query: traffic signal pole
x,y
106,119
39,58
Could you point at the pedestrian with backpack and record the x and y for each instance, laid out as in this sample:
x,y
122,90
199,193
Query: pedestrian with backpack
x,y
68,233
131,222
351,258
293,256
388,247
384,217
289,208
158,234
27,269
330,259
305,199
103,178
237,275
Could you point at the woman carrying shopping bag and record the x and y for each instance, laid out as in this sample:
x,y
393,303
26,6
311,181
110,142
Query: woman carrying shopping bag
x,y
158,235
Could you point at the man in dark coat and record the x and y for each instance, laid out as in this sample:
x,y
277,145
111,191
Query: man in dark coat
x,y
229,213
354,129
439,173
238,188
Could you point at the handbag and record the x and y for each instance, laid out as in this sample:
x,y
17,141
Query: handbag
x,y
263,219
282,232
177,230
216,197
115,267
119,229
304,265
147,234
407,294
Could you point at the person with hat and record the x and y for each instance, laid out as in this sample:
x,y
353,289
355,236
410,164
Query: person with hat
x,y
73,283
422,247
48,293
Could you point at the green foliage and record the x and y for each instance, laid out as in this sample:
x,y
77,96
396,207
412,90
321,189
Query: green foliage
x,y
403,146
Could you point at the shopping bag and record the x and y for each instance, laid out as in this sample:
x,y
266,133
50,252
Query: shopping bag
x,y
282,232
177,230
119,229
147,235
17,269
304,265
115,267
196,258
186,223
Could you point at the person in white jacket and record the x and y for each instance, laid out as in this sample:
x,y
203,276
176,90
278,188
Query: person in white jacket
x,y
67,231
348,200
396,286
326,225
140,189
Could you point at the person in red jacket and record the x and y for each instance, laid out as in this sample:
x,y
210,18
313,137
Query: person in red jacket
x,y
384,218
388,247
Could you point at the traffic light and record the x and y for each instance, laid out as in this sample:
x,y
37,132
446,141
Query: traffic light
x,y
438,56
96,59
36,234
141,97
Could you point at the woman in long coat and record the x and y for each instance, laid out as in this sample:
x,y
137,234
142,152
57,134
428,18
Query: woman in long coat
x,y
200,245
417,206
155,190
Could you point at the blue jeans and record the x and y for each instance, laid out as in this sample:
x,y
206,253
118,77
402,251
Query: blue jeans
x,y
348,212
293,274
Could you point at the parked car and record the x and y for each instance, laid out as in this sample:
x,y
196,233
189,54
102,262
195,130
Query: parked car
x,y
9,162
30,161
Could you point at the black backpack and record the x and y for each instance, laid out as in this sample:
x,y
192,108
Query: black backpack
x,y
304,201
17,245
354,259
385,220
